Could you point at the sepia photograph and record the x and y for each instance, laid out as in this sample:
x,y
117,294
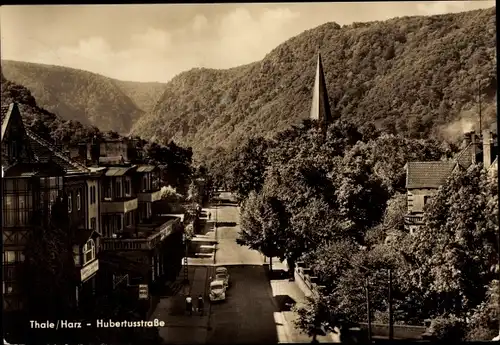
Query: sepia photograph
x,y
250,173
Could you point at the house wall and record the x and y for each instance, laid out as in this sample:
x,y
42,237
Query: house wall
x,y
416,198
93,204
76,188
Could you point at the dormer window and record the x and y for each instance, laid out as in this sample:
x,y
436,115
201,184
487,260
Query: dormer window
x,y
88,252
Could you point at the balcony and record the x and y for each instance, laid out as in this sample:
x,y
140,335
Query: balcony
x,y
146,236
149,196
414,219
121,206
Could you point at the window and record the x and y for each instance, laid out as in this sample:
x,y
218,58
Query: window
x,y
70,203
127,187
88,251
94,194
13,149
427,199
9,256
9,288
78,200
93,223
118,187
144,183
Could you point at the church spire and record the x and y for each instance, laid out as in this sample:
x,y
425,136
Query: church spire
x,y
320,107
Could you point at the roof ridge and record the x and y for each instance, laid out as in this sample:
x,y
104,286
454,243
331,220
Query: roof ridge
x,y
51,147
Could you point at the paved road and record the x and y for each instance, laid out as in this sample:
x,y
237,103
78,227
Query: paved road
x,y
255,310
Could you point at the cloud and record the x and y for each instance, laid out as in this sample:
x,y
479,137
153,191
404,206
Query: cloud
x,y
442,7
237,38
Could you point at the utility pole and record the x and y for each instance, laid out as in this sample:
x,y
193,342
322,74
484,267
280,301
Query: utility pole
x,y
368,309
391,322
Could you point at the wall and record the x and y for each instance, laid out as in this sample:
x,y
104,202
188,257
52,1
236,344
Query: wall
x,y
415,198
93,209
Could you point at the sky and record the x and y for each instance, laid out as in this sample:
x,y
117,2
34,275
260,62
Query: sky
x,y
155,42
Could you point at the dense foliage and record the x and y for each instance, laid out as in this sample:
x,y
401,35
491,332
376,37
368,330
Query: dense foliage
x,y
414,76
338,204
85,97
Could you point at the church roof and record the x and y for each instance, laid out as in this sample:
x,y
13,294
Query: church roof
x,y
320,107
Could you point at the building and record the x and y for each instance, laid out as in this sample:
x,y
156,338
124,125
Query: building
x,y
114,221
423,179
131,229
30,186
65,177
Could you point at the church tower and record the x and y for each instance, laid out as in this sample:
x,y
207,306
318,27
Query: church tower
x,y
320,107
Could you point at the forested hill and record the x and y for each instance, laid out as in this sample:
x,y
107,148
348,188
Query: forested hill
x,y
412,75
89,98
43,122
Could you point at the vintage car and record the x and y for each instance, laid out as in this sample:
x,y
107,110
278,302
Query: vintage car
x,y
217,291
221,273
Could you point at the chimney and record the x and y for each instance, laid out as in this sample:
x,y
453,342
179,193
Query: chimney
x,y
487,148
467,138
95,151
82,153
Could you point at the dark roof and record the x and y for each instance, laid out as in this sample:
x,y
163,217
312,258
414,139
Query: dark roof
x,y
118,171
32,169
146,168
45,151
83,235
118,263
428,174
464,158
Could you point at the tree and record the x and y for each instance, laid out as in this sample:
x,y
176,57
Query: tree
x,y
314,316
247,168
453,253
264,222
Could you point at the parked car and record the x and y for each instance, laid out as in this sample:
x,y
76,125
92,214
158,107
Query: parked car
x,y
221,273
217,291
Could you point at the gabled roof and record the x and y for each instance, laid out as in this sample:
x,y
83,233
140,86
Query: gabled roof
x,y
45,151
7,112
320,107
428,174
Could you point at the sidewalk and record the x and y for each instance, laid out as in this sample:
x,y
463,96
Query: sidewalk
x,y
283,288
180,327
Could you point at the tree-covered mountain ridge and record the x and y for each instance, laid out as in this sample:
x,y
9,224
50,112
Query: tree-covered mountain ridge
x,y
411,75
86,97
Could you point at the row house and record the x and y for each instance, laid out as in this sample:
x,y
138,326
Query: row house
x,y
131,229
113,219
34,174
423,179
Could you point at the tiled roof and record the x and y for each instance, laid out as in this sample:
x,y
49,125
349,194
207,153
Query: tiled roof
x,y
428,174
45,151
464,158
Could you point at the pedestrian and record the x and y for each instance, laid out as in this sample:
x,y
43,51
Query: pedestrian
x,y
189,305
200,304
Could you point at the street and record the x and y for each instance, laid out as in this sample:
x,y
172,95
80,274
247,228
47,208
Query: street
x,y
257,308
